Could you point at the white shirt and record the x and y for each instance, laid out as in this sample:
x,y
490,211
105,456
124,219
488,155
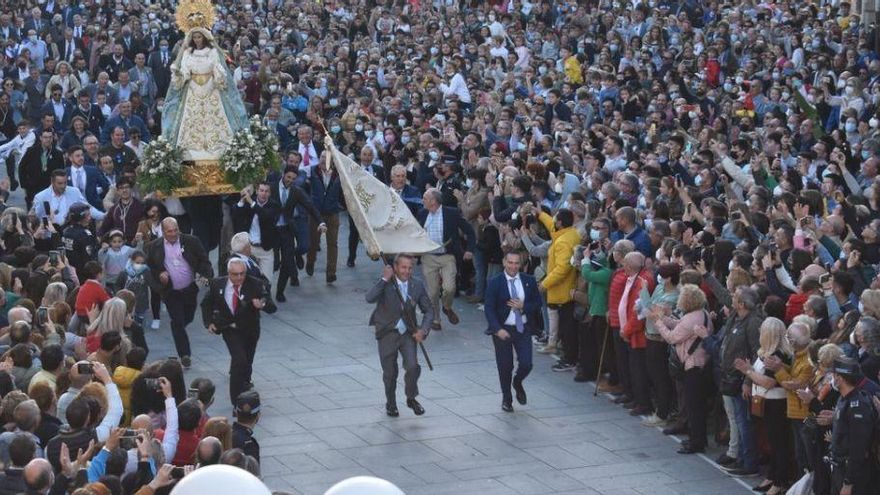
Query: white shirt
x,y
78,174
520,294
776,392
17,146
309,150
254,231
60,205
230,292
457,86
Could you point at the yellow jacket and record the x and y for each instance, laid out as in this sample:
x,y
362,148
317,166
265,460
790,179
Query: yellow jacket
x,y
573,73
123,377
561,277
800,371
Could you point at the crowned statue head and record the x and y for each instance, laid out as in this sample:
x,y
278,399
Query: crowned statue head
x,y
195,18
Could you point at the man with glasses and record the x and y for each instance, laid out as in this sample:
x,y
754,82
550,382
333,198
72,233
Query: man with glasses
x,y
231,308
59,107
93,115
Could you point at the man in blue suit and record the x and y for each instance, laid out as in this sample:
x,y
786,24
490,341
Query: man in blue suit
x,y
513,308
89,180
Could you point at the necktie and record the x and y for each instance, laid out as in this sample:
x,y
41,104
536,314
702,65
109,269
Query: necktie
x,y
401,326
164,59
305,156
234,299
82,180
517,314
284,193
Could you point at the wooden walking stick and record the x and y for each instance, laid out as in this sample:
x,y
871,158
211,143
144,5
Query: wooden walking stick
x,y
601,360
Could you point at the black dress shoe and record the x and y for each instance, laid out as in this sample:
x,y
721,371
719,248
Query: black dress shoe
x,y
675,430
506,407
350,263
310,269
520,392
691,449
294,282
391,410
300,262
331,279
280,297
763,488
415,406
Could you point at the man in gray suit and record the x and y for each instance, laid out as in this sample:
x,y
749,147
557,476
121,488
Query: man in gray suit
x,y
396,296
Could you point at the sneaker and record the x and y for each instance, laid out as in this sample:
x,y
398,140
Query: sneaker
x,y
562,366
725,460
155,324
654,420
742,472
547,349
542,340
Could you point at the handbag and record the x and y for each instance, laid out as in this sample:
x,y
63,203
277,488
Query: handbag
x,y
676,366
757,406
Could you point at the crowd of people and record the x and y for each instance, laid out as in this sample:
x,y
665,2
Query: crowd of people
x,y
693,186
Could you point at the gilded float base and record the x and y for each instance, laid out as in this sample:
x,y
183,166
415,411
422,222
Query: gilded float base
x,y
205,178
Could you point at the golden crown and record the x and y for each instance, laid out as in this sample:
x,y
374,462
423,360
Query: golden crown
x,y
193,14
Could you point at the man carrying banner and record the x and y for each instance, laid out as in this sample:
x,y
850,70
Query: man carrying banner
x,y
445,226
396,296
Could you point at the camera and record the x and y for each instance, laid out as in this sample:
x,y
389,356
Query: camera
x,y
152,384
85,368
128,440
42,315
192,393
177,473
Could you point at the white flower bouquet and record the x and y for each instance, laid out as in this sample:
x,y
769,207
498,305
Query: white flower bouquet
x,y
162,167
252,153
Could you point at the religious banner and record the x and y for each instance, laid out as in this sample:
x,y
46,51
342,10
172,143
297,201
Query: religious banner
x,y
383,220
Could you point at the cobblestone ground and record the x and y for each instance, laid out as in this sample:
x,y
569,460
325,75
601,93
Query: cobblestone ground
x,y
324,420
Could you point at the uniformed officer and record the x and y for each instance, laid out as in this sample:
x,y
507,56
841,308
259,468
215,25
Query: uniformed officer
x,y
853,465
80,243
247,413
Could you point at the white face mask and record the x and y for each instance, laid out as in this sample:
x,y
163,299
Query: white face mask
x,y
404,140
435,155
852,339
558,188
138,266
358,127
370,133
601,196
730,266
659,279
469,183
834,383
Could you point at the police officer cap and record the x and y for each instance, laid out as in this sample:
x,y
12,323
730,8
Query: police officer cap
x,y
78,212
248,402
847,366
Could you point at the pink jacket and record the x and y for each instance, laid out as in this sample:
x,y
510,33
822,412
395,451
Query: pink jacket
x,y
683,334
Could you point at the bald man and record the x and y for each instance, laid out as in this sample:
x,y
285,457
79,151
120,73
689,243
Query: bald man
x,y
177,260
209,451
39,477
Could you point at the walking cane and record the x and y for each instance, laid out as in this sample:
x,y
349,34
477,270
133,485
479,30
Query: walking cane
x,y
402,302
601,360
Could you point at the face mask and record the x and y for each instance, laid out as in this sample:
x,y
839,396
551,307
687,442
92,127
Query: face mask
x,y
595,234
601,196
778,190
33,38
335,129
841,84
370,133
404,139
508,98
613,47
850,127
435,155
728,87
866,154
643,203
673,96
434,50
159,108
589,182
163,48
542,70
692,115
246,75
786,95
730,266
151,15
118,13
874,122
852,339
138,266
165,25
659,279
154,31
334,102
833,381
401,122
849,90
273,88
698,180
358,127
842,255
649,222
469,183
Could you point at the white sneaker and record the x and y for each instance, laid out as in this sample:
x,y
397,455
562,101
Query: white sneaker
x,y
654,420
547,349
155,324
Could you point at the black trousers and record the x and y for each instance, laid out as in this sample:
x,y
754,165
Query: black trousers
x,y
242,345
694,388
135,333
155,303
288,271
621,359
504,349
568,332
658,373
353,239
592,333
638,368
181,305
778,436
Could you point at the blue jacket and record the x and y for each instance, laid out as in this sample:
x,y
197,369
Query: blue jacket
x,y
119,121
326,199
639,237
497,295
96,186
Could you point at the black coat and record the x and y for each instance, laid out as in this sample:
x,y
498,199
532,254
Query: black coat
x,y
193,252
295,198
243,216
215,310
32,175
454,228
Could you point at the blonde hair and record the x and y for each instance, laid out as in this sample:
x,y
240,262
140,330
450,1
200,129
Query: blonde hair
x,y
219,428
737,278
55,292
98,392
871,302
112,317
773,338
691,298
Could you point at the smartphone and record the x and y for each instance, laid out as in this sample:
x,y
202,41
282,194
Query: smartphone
x,y
152,384
177,473
46,209
192,393
53,255
42,315
85,368
823,279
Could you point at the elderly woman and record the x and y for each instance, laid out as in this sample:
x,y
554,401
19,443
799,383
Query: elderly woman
x,y
868,337
769,400
685,335
65,78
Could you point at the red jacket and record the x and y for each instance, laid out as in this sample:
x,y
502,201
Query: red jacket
x,y
615,292
91,292
634,331
795,306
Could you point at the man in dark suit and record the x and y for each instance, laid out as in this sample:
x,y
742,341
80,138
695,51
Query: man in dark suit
x,y
59,107
292,227
130,44
513,307
309,149
256,213
37,164
177,260
115,63
408,193
69,46
160,63
231,308
555,109
89,180
327,197
396,296
446,227
92,113
35,89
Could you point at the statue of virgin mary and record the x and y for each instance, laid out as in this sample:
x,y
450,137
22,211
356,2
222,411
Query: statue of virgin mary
x,y
203,108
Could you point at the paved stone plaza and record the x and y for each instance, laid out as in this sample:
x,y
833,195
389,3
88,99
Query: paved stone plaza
x,y
324,418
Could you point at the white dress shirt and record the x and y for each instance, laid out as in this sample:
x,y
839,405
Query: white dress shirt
x,y
520,294
309,150
17,146
78,174
60,204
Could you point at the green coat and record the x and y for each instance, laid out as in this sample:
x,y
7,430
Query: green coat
x,y
598,281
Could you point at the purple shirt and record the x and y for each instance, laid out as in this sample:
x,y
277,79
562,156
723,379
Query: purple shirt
x,y
178,269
